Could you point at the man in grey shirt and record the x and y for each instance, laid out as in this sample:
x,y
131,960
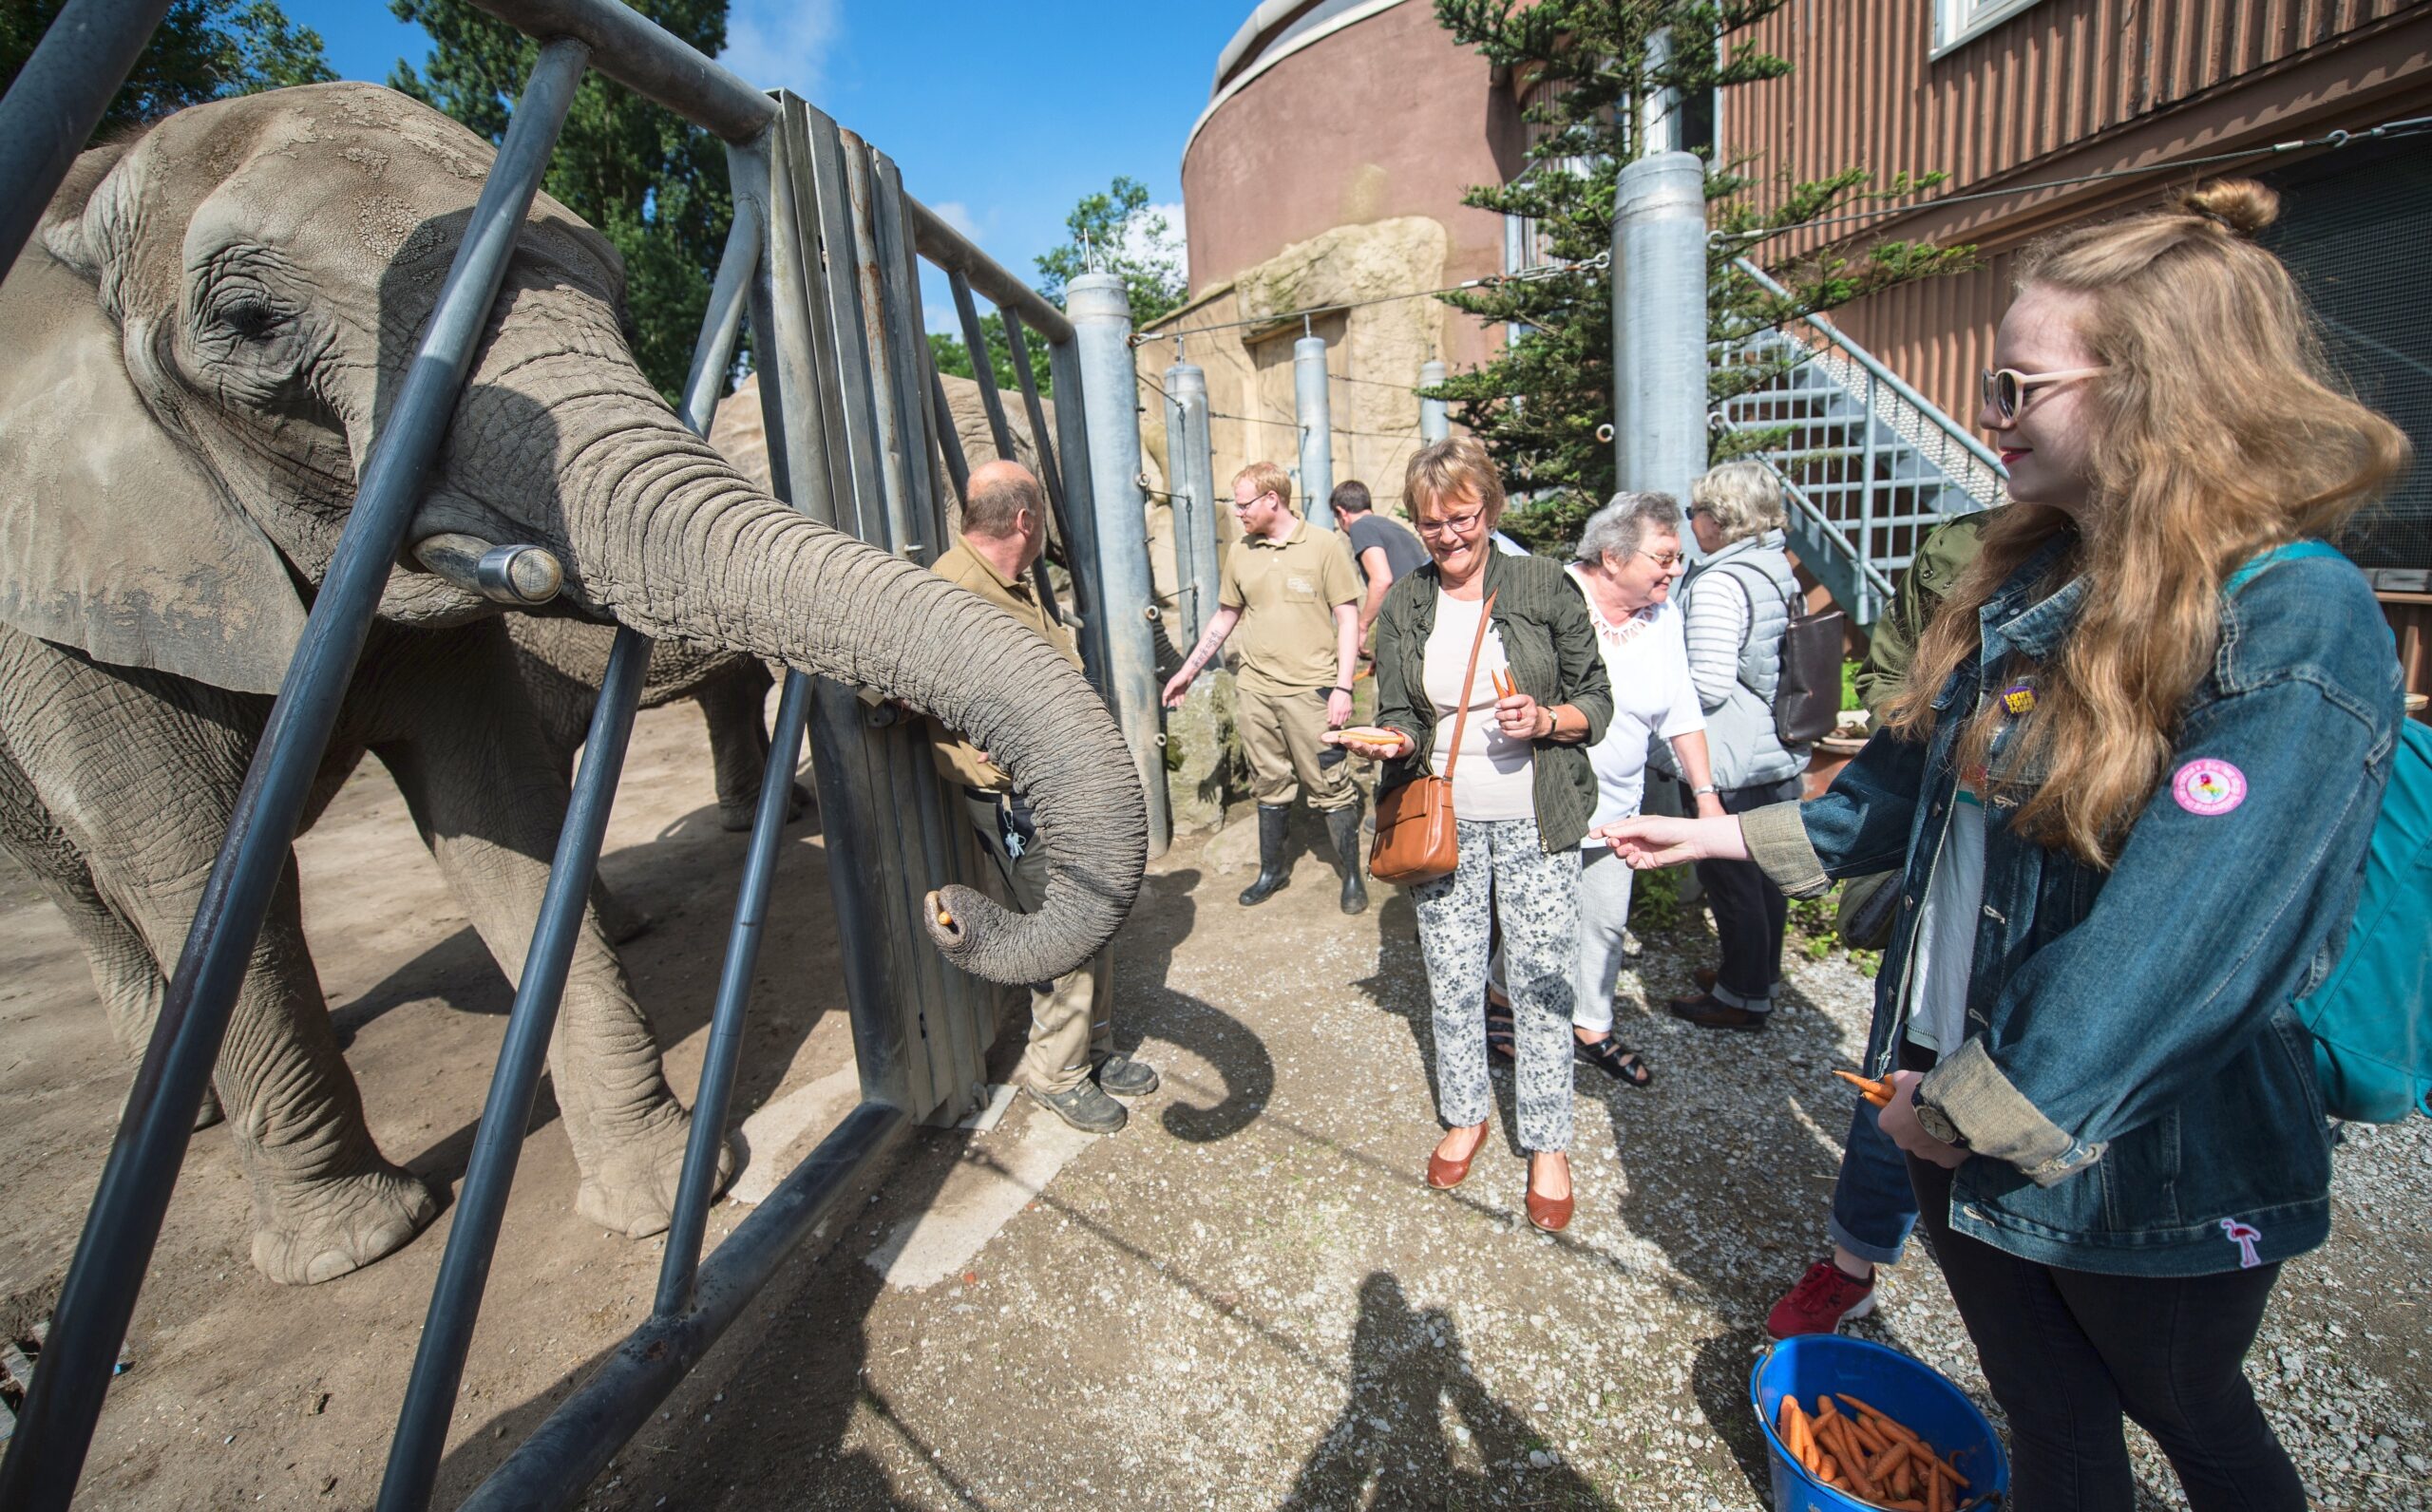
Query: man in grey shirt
x,y
1382,549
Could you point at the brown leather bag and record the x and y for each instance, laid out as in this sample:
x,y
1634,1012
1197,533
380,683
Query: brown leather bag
x,y
1415,841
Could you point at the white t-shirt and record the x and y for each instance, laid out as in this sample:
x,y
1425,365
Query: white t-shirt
x,y
1495,778
1946,932
1647,656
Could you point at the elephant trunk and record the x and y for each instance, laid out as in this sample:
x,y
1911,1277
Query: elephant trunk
x,y
669,538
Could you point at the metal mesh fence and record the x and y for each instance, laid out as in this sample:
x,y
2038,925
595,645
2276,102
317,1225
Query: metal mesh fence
x,y
2354,226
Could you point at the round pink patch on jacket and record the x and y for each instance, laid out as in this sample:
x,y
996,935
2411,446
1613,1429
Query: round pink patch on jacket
x,y
2207,785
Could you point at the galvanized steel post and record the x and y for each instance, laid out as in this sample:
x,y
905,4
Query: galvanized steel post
x,y
1435,420
1193,476
1309,404
1100,309
1660,324
56,101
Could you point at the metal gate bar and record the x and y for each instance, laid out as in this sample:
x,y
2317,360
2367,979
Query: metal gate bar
x,y
57,100
437,1376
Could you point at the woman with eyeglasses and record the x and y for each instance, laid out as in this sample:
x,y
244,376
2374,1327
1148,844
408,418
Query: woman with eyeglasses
x,y
2131,776
1626,562
1523,797
1735,604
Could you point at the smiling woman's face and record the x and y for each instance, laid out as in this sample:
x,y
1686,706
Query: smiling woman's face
x,y
2048,444
1456,533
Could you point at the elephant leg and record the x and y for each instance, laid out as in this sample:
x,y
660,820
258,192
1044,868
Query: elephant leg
x,y
491,807
139,773
735,706
129,983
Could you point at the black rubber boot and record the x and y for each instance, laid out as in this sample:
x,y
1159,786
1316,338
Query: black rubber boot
x,y
1272,872
1344,824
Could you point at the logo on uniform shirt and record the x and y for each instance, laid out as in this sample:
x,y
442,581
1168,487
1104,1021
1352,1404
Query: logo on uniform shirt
x,y
1302,585
2207,785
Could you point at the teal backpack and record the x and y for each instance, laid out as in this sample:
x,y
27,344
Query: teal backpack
x,y
2372,1018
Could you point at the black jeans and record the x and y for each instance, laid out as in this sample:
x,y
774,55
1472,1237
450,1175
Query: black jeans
x,y
2067,1352
1750,912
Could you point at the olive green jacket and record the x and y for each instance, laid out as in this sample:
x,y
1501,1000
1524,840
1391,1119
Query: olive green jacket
x,y
1551,644
1928,579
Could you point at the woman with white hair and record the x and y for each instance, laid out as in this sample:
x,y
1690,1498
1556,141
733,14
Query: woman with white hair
x,y
1736,606
1628,558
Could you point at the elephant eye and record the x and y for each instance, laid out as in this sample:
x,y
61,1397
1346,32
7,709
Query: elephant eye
x,y
249,319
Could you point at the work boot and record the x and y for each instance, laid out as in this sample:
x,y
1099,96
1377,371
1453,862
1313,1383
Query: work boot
x,y
1126,1077
1272,872
1344,824
1086,1108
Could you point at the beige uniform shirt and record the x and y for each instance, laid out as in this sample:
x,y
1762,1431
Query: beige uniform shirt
x,y
1286,591
958,759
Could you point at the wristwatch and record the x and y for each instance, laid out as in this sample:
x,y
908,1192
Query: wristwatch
x,y
1701,792
1937,1123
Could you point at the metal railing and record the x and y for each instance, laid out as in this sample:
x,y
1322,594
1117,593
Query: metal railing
x,y
823,252
1868,465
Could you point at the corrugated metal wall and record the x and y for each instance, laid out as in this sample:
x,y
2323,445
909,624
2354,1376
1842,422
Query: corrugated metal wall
x,y
1864,90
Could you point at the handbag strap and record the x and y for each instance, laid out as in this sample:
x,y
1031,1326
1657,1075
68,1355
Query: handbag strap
x,y
1469,680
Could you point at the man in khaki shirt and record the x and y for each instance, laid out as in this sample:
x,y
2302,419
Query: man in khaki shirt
x,y
1071,1062
1292,592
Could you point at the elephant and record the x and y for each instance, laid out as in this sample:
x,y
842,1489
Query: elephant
x,y
206,333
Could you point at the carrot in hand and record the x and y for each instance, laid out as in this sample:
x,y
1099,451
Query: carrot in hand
x,y
1879,1093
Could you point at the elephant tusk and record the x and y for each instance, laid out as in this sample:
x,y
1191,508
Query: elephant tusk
x,y
521,575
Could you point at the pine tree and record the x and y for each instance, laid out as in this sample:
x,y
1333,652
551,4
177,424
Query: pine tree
x,y
654,185
1537,404
204,49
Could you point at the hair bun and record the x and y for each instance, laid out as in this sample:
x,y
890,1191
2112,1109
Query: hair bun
x,y
2241,204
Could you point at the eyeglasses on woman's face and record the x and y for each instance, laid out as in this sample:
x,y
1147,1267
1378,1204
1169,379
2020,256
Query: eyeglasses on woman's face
x,y
2008,391
1444,525
1667,561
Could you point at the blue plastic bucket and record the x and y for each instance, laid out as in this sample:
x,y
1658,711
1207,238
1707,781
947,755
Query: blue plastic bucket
x,y
1912,1392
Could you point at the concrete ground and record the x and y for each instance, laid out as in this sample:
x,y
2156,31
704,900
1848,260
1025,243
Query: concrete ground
x,y
1246,1299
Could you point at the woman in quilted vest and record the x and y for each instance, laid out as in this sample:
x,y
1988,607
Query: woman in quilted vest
x,y
1734,605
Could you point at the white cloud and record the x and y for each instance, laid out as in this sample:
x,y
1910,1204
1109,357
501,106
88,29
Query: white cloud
x,y
782,43
1170,249
957,215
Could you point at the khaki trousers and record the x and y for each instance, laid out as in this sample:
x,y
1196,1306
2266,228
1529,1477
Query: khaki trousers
x,y
1279,735
1071,1019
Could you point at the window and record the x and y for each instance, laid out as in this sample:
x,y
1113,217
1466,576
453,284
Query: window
x,y
1959,20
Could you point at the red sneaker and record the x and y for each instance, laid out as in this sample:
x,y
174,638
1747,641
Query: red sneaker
x,y
1821,1303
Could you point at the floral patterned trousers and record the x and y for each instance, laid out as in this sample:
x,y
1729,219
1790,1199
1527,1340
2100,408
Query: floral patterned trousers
x,y
1504,874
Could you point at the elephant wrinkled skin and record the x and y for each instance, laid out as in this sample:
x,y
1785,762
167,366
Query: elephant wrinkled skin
x,y
204,336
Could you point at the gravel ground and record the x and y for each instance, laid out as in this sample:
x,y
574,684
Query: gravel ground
x,y
1250,1300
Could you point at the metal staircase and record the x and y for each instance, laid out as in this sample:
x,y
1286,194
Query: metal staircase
x,y
1868,465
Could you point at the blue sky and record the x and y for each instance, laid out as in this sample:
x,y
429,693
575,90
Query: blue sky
x,y
1001,114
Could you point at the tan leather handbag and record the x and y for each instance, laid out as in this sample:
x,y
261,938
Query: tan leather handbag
x,y
1415,841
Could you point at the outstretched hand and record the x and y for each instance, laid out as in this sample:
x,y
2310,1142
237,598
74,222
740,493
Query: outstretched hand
x,y
1649,840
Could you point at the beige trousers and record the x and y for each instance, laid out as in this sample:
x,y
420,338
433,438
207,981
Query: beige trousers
x,y
1071,1019
1279,735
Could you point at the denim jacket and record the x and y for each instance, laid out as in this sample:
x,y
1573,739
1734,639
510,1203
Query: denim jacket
x,y
2138,1094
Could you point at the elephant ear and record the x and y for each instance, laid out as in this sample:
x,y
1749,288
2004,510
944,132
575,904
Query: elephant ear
x,y
113,539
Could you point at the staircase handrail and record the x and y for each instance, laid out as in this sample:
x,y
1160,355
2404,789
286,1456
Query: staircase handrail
x,y
1882,374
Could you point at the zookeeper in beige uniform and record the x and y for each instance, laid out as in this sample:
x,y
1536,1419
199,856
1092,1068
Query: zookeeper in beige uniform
x,y
1292,592
1071,1062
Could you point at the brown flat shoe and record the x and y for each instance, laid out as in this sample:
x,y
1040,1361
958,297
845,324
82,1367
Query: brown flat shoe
x,y
1444,1174
1704,976
1548,1213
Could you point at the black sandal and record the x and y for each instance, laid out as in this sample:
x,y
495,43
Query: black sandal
x,y
1501,1035
1614,1059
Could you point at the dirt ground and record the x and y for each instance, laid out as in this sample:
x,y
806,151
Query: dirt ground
x,y
1248,1299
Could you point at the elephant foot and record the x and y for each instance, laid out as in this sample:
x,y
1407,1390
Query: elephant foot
x,y
324,1229
208,1113
736,818
630,1188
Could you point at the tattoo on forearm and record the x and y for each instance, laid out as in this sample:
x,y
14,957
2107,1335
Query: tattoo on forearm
x,y
1200,652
